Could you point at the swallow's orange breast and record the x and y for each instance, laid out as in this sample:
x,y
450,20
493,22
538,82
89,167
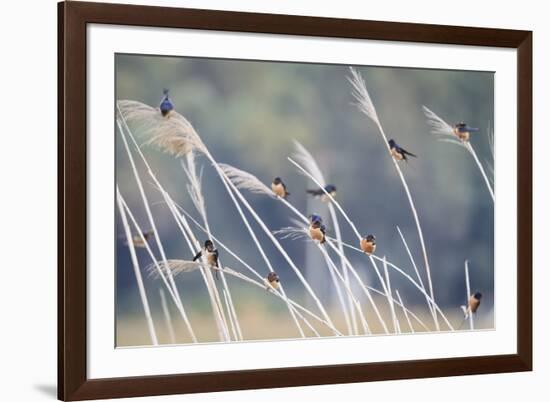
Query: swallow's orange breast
x,y
316,234
474,304
367,246
278,190
396,155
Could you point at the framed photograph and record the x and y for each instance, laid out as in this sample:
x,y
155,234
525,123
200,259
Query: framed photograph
x,y
253,200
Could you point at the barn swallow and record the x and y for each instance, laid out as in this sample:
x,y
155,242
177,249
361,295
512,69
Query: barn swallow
x,y
473,304
138,242
279,188
210,253
317,231
397,152
166,105
273,280
368,244
329,188
462,131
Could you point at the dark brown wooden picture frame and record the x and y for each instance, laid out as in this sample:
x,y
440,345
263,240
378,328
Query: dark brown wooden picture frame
x,y
73,17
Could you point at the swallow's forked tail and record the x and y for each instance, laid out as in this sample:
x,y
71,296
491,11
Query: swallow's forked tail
x,y
314,192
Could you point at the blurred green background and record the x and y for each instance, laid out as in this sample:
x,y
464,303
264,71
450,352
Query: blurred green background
x,y
247,113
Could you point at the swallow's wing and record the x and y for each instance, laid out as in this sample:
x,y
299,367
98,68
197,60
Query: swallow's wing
x,y
408,153
197,256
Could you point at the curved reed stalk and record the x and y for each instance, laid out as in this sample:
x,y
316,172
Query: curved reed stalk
x,y
332,267
167,317
405,313
344,214
180,307
247,181
396,327
366,106
216,304
468,293
226,179
181,267
441,128
194,244
195,191
227,249
305,157
175,136
137,272
153,225
411,280
220,169
420,281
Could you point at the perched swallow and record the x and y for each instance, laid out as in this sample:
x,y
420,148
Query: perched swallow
x,y
329,188
317,231
137,240
397,152
166,105
368,244
279,188
473,304
462,131
273,280
210,253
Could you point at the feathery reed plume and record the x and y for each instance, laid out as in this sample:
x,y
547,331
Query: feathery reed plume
x,y
194,244
239,259
405,313
439,126
176,264
229,186
173,134
228,182
292,233
152,222
246,181
347,218
195,190
179,306
303,156
364,103
137,272
167,317
216,304
442,128
178,217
